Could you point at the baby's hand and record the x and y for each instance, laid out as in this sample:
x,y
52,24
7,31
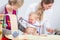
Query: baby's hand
x,y
20,18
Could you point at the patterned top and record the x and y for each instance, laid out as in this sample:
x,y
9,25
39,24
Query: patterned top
x,y
8,19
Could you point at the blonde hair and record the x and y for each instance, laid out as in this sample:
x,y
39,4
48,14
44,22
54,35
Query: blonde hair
x,y
40,8
35,14
18,3
39,11
40,14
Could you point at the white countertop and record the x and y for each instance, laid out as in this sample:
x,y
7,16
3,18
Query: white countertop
x,y
30,37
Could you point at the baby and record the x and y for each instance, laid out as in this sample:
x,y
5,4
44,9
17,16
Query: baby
x,y
34,20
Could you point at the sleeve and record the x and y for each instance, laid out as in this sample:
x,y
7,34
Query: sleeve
x,y
47,25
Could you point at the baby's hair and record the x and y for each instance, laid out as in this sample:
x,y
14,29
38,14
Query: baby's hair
x,y
33,13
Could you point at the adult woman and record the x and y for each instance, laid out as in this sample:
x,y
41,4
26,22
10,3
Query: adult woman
x,y
10,8
39,9
45,5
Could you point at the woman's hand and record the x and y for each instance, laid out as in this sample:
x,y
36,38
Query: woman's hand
x,y
50,30
1,15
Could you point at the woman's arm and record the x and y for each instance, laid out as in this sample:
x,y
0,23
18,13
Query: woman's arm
x,y
48,29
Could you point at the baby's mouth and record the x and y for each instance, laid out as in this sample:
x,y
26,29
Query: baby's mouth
x,y
30,22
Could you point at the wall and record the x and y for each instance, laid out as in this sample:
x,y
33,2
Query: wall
x,y
52,16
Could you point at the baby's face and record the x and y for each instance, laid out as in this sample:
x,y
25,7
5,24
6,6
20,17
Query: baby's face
x,y
32,18
30,30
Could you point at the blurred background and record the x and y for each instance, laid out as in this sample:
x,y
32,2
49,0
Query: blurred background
x,y
52,16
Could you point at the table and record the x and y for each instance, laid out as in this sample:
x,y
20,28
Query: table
x,y
31,37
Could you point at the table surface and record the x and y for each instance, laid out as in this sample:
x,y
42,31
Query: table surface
x,y
31,37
